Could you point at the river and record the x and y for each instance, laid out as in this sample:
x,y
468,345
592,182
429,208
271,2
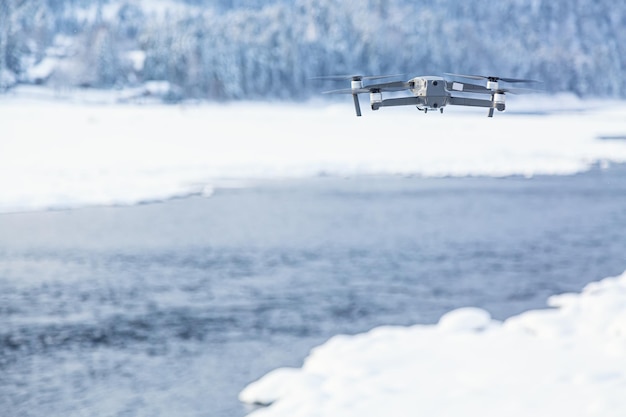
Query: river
x,y
171,308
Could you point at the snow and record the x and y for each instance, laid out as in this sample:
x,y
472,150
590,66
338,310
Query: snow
x,y
162,7
62,149
42,71
7,79
70,149
138,59
569,360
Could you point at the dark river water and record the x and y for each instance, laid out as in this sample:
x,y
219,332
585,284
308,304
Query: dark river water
x,y
170,309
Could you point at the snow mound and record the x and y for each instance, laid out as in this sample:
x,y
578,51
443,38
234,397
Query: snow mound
x,y
465,319
569,360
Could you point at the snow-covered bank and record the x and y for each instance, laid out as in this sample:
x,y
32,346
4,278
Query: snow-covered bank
x,y
69,153
566,361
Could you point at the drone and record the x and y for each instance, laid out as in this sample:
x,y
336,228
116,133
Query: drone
x,y
432,92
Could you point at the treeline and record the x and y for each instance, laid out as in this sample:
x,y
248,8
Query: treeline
x,y
235,49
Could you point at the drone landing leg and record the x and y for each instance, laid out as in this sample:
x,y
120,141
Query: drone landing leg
x,y
357,106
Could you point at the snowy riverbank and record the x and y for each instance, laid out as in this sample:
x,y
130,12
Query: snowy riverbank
x,y
80,150
567,361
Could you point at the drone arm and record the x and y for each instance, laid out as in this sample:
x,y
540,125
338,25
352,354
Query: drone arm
x,y
403,101
462,101
467,88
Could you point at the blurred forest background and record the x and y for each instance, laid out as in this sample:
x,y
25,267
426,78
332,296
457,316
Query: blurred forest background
x,y
254,49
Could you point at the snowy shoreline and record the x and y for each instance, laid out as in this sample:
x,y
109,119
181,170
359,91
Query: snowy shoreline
x,y
85,151
569,360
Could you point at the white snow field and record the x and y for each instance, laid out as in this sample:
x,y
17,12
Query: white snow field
x,y
569,360
80,150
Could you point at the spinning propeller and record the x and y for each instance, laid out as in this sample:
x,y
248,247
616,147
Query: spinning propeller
x,y
493,88
492,78
358,88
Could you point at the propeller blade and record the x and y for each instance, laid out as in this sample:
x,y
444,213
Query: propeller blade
x,y
390,86
478,89
337,77
379,77
471,77
520,90
517,80
354,77
492,78
348,91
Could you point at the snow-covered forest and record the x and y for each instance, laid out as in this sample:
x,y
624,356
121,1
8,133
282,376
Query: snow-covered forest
x,y
253,49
